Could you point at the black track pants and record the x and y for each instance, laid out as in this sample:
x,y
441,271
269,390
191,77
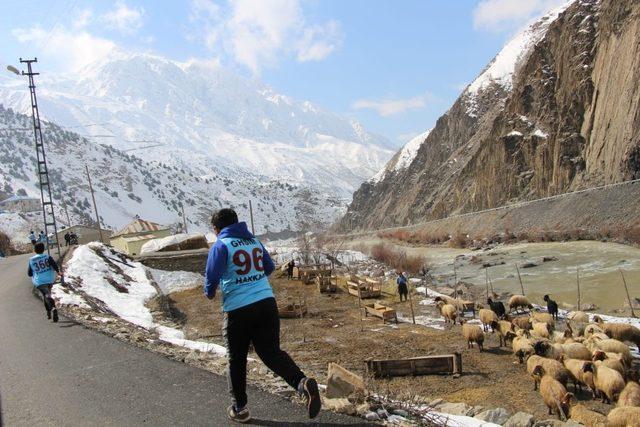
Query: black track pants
x,y
257,323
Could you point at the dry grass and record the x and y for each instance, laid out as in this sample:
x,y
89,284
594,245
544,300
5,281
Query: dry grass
x,y
631,234
460,240
397,259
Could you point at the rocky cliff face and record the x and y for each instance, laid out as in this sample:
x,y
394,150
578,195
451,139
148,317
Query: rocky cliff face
x,y
566,116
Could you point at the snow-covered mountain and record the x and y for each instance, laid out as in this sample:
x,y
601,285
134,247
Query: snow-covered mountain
x,y
209,119
403,158
548,115
127,185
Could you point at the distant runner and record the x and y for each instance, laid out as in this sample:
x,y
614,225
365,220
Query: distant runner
x,y
33,238
43,271
239,264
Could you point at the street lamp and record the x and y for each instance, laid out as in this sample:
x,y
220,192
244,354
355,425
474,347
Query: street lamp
x,y
13,69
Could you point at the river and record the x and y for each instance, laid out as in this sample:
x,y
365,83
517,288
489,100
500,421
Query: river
x,y
599,264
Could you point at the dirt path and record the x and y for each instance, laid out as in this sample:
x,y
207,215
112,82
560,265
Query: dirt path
x,y
333,332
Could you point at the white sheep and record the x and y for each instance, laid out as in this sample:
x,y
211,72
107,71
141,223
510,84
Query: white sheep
x,y
519,301
472,334
624,416
607,381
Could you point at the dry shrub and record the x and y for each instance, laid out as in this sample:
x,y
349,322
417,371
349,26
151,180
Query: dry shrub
x,y
577,234
604,233
382,253
5,244
435,238
397,259
460,240
631,234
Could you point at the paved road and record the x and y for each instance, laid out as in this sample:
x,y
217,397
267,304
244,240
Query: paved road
x,y
65,375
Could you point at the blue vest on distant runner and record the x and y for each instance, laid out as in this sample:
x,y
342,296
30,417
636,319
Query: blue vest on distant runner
x,y
244,281
43,272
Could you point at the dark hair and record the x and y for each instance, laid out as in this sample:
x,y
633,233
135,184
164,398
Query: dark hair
x,y
224,218
39,247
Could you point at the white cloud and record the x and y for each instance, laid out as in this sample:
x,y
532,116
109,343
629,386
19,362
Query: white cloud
x,y
319,41
123,18
500,15
390,107
258,33
65,49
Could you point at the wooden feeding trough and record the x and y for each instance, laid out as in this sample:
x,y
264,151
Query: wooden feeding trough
x,y
368,288
426,365
308,273
381,311
327,284
292,310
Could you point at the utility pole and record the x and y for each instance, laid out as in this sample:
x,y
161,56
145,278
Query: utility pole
x,y
95,206
48,214
251,215
184,219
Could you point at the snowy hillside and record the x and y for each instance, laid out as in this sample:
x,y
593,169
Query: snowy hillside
x,y
126,185
501,69
208,118
403,158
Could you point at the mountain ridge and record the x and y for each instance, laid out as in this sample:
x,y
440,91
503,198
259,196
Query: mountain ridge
x,y
205,114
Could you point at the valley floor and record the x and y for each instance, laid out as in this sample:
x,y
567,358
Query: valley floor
x,y
333,332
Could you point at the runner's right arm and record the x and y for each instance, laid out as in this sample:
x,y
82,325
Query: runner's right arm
x,y
216,265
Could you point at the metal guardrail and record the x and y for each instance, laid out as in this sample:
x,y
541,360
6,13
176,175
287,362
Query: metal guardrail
x,y
499,208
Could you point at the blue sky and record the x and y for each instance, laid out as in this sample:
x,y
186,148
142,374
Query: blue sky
x,y
396,65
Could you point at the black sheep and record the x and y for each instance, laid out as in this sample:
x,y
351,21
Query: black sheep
x,y
552,307
497,307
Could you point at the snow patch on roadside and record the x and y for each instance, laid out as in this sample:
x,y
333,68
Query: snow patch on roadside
x,y
101,281
93,272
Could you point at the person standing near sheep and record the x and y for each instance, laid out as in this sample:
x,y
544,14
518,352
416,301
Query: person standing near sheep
x,y
290,267
240,265
401,281
43,271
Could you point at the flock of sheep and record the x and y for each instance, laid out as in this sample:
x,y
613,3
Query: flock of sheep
x,y
590,354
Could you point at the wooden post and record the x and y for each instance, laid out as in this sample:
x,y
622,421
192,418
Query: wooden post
x,y
486,280
624,281
578,283
184,219
95,207
253,231
520,279
359,303
413,316
490,284
455,278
